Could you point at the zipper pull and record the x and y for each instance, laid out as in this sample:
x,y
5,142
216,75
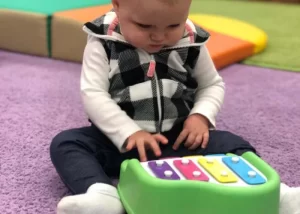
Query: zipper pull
x,y
151,69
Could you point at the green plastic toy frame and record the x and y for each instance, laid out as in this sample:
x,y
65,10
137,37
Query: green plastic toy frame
x,y
144,194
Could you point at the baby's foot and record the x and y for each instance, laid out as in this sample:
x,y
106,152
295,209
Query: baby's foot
x,y
99,199
289,200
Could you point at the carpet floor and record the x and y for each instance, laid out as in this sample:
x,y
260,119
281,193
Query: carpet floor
x,y
279,21
40,97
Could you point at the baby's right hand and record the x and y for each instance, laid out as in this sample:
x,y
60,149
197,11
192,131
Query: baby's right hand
x,y
142,140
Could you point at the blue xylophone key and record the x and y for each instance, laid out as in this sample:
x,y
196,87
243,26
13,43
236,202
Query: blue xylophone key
x,y
243,170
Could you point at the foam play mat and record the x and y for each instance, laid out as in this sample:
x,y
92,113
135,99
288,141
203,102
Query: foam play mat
x,y
279,21
231,40
54,29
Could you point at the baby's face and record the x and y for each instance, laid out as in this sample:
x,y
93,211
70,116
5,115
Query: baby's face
x,y
152,24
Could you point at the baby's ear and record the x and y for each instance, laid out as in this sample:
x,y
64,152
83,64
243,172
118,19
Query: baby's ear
x,y
116,5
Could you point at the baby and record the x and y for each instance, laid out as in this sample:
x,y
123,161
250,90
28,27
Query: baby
x,y
150,90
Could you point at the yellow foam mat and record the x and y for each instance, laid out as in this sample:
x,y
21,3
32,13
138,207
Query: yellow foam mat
x,y
23,32
234,28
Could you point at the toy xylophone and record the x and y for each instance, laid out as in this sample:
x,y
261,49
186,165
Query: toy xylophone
x,y
212,184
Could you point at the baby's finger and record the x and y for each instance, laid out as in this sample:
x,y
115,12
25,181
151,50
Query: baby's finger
x,y
160,138
199,139
182,136
190,140
197,142
194,146
130,145
205,140
153,143
141,149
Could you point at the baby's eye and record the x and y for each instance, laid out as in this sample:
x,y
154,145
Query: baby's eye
x,y
143,26
174,26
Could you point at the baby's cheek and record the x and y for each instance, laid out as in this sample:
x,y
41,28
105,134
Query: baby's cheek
x,y
174,37
174,40
138,39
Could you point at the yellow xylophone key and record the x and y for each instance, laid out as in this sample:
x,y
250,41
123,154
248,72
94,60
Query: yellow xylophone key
x,y
220,172
193,156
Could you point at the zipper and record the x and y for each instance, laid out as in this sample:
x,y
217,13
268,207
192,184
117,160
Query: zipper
x,y
152,67
151,73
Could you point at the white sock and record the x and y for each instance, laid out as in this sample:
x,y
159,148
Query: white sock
x,y
289,199
99,199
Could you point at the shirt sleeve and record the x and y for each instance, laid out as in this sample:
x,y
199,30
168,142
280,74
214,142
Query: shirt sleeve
x,y
101,109
211,88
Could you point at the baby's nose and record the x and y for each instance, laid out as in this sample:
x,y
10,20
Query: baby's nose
x,y
158,37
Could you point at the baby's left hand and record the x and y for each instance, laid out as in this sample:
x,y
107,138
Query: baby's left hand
x,y
195,132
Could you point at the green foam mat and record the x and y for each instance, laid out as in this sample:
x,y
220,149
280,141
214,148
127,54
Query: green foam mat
x,y
49,6
279,21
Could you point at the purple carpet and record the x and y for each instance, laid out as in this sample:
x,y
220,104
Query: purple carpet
x,y
40,97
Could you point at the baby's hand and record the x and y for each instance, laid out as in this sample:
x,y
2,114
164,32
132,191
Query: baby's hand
x,y
195,132
143,140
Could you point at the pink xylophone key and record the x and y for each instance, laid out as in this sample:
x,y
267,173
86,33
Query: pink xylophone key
x,y
189,170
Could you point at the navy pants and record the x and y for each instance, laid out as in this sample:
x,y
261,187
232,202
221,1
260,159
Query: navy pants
x,y
85,156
